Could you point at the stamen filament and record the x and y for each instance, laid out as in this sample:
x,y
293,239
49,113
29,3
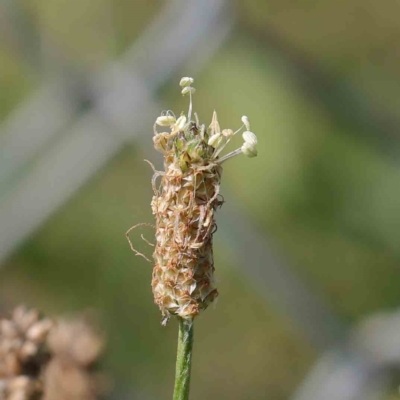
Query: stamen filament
x,y
229,155
234,133
224,145
190,106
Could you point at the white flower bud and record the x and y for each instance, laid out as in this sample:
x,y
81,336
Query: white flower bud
x,y
215,140
180,123
188,89
249,149
249,137
165,120
186,81
228,133
246,122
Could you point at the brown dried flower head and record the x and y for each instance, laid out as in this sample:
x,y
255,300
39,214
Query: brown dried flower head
x,y
22,342
184,205
76,347
23,354
43,359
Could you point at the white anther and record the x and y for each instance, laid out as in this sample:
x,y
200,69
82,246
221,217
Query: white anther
x,y
249,137
215,140
249,149
188,89
186,81
180,123
166,120
228,133
246,122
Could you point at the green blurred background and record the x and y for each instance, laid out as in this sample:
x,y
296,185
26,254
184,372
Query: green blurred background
x,y
320,83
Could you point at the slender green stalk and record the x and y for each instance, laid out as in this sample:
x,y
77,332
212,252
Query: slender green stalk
x,y
183,359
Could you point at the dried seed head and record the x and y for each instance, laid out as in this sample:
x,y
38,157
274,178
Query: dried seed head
x,y
23,354
40,359
184,206
75,339
21,388
22,342
76,346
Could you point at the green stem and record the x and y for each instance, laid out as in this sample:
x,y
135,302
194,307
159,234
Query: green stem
x,y
183,359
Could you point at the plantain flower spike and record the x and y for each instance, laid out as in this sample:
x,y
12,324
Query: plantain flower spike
x,y
184,206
